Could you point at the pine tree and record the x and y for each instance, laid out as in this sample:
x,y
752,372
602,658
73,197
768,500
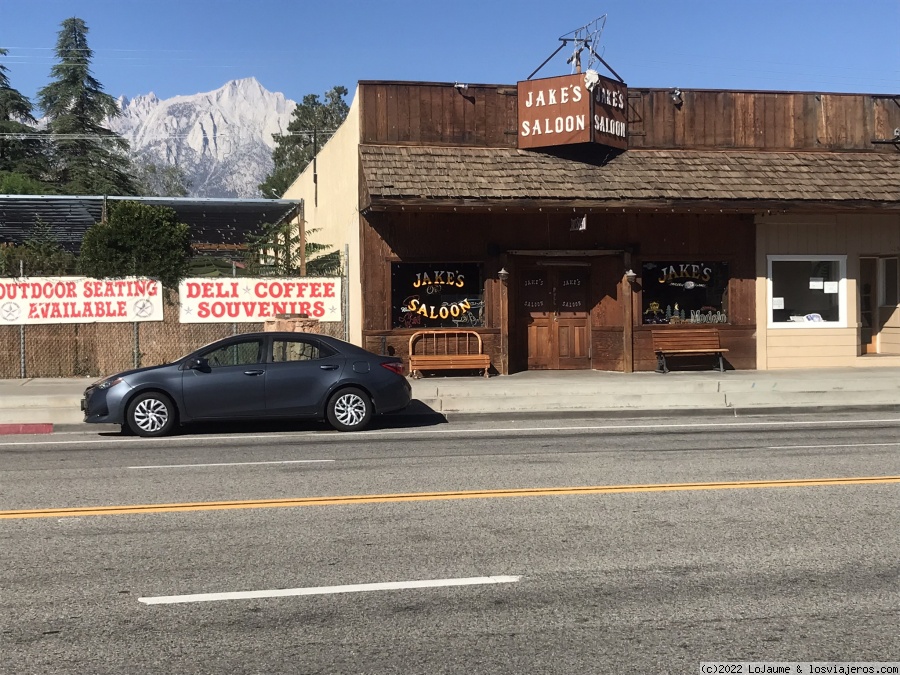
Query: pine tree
x,y
22,158
160,180
275,251
40,255
137,239
312,123
88,158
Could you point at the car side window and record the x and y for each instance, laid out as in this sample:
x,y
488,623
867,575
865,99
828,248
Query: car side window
x,y
244,353
289,350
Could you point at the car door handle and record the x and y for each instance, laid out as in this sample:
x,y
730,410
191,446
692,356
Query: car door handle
x,y
254,372
329,366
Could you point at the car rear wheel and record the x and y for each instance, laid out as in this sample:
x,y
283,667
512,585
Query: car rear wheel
x,y
349,410
151,414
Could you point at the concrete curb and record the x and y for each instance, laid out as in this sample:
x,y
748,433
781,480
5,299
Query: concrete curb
x,y
26,428
426,417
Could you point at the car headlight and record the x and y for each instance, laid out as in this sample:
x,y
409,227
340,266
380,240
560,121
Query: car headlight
x,y
111,382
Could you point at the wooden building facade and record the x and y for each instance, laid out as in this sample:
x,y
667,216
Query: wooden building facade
x,y
568,256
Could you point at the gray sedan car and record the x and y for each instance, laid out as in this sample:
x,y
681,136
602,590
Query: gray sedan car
x,y
254,376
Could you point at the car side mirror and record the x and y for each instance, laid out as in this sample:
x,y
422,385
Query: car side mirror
x,y
198,363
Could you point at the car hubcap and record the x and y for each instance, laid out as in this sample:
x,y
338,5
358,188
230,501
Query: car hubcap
x,y
151,414
350,410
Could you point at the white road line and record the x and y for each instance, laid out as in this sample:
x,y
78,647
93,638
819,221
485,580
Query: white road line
x,y
320,436
326,590
837,445
188,466
165,439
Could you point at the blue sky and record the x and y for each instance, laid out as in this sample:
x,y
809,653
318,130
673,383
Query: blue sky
x,y
299,46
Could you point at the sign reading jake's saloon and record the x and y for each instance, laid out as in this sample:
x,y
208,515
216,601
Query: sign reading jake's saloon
x,y
571,109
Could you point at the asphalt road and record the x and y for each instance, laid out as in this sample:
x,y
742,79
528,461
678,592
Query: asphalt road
x,y
707,561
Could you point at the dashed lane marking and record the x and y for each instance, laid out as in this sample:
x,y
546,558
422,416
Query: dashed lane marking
x,y
327,590
191,466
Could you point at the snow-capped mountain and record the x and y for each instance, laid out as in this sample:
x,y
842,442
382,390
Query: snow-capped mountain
x,y
221,139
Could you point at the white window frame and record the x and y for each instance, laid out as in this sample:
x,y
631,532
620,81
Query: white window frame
x,y
882,281
807,325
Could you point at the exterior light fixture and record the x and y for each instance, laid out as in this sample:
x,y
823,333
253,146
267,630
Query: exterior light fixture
x,y
631,275
503,275
461,86
677,96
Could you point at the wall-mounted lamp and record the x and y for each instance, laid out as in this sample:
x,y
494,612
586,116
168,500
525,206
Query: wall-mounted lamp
x,y
631,275
503,275
461,87
677,97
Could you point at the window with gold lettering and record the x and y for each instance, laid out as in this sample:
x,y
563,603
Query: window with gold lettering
x,y
694,292
436,295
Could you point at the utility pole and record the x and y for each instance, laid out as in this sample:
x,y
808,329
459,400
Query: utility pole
x,y
315,153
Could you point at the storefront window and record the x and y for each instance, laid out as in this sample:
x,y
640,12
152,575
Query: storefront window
x,y
436,295
684,292
806,291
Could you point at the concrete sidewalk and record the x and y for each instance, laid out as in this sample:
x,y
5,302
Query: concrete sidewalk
x,y
44,405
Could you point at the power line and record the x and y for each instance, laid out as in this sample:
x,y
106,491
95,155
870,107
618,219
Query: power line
x,y
87,137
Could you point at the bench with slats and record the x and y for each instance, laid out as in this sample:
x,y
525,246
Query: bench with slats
x,y
686,341
446,349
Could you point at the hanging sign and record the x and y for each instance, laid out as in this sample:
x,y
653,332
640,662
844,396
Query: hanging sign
x,y
572,109
251,300
55,300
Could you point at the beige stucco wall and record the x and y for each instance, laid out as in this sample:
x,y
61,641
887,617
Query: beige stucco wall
x,y
853,235
334,211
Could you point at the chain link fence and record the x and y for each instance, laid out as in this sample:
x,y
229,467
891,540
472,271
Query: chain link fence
x,y
97,349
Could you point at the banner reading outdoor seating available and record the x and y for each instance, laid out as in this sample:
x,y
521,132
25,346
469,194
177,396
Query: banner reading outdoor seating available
x,y
250,300
55,300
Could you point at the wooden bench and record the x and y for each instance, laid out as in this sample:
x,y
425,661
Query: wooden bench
x,y
686,341
446,349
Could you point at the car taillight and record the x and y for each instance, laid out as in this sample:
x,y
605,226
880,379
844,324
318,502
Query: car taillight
x,y
394,367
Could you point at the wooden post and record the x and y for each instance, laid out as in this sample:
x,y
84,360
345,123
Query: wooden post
x,y
628,328
504,323
301,223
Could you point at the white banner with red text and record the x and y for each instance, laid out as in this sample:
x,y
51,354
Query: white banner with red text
x,y
247,300
53,300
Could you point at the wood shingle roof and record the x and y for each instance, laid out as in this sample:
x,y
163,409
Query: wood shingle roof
x,y
405,174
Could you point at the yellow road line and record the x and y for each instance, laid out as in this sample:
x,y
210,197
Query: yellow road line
x,y
432,496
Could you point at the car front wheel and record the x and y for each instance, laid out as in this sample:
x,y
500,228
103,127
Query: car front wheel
x,y
349,410
151,414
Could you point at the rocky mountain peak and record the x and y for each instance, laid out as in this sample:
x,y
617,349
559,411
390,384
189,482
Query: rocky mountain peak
x,y
222,139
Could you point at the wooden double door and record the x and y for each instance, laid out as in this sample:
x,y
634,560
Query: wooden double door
x,y
553,306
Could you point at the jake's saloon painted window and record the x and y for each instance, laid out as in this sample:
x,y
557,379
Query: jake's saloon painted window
x,y
436,295
807,291
690,292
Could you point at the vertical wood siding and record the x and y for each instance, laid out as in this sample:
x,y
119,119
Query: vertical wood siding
x,y
486,116
484,238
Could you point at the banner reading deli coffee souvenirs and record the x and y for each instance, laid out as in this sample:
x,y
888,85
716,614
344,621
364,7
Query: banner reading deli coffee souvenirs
x,y
250,300
52,300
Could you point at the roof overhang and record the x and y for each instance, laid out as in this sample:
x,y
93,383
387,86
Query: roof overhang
x,y
442,179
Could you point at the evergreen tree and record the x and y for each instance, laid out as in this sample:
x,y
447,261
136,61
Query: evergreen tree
x,y
88,158
41,254
312,123
137,239
160,180
275,251
22,155
14,183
